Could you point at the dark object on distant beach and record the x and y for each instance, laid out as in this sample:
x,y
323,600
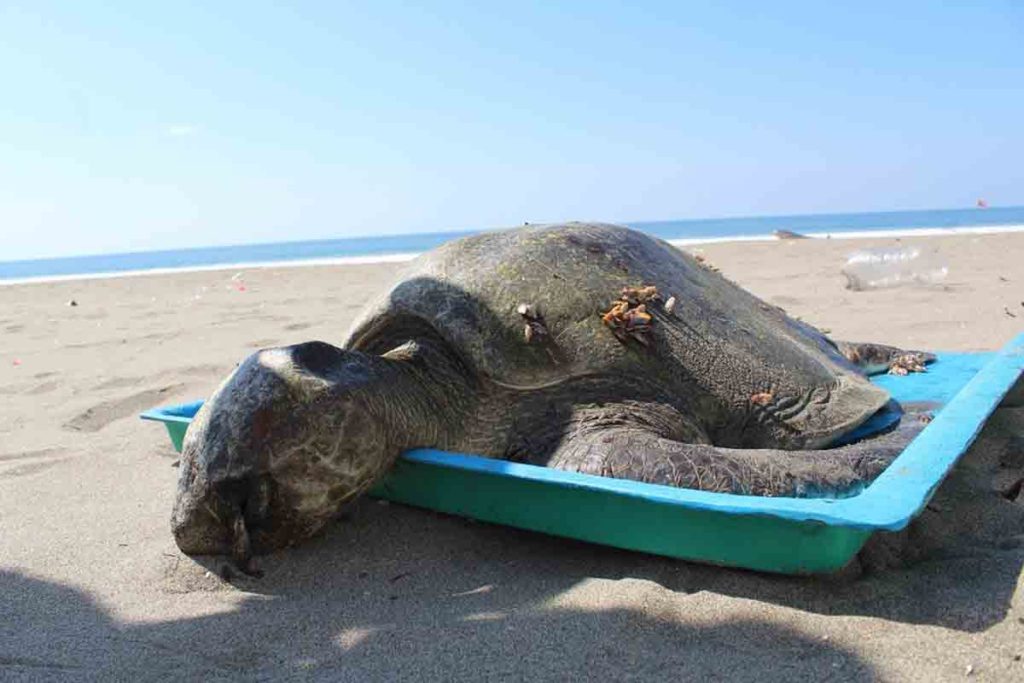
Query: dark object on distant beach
x,y
725,393
790,235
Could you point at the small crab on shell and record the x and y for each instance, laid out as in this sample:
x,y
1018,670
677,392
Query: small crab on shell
x,y
703,260
534,327
628,317
639,295
907,363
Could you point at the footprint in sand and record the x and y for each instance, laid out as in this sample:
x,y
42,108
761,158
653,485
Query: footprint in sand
x,y
262,343
102,414
201,370
295,327
784,301
118,383
44,460
156,338
204,371
43,388
159,336
29,455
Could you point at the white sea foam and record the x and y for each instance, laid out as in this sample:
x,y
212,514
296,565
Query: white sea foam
x,y
404,257
859,234
298,263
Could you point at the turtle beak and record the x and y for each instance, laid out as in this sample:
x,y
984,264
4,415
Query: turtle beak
x,y
224,490
235,497
206,523
203,523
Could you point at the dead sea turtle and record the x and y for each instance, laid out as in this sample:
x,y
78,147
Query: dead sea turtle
x,y
584,347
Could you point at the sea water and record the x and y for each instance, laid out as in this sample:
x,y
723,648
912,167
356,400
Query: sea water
x,y
401,247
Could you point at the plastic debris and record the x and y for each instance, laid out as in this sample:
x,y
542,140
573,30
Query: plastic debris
x,y
891,267
237,282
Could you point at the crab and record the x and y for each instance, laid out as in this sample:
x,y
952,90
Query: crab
x,y
907,363
628,317
534,327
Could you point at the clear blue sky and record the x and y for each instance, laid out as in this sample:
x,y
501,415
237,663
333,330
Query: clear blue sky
x,y
135,125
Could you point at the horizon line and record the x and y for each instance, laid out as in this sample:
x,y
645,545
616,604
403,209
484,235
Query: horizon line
x,y
404,257
469,231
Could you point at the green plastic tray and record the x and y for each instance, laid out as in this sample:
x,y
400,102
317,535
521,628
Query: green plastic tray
x,y
788,535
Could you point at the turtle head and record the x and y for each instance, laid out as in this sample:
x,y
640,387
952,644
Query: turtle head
x,y
278,449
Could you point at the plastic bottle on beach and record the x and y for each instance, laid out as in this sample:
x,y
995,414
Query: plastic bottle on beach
x,y
885,267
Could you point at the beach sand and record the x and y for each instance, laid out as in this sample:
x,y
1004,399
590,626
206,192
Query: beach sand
x,y
92,585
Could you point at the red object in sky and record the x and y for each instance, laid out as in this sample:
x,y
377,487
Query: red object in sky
x,y
982,204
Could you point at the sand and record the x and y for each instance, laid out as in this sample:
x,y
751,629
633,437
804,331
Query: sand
x,y
92,585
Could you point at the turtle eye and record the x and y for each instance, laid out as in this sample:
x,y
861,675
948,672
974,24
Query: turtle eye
x,y
317,358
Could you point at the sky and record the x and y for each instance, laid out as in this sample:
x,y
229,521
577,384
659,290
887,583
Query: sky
x,y
133,126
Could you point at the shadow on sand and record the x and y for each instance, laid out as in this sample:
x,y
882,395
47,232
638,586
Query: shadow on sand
x,y
395,593
410,616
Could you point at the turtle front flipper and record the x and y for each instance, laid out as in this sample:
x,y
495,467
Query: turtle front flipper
x,y
875,359
639,454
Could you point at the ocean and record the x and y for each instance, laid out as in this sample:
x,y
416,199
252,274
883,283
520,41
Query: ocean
x,y
402,247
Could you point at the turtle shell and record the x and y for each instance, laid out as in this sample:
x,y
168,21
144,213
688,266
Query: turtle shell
x,y
718,342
